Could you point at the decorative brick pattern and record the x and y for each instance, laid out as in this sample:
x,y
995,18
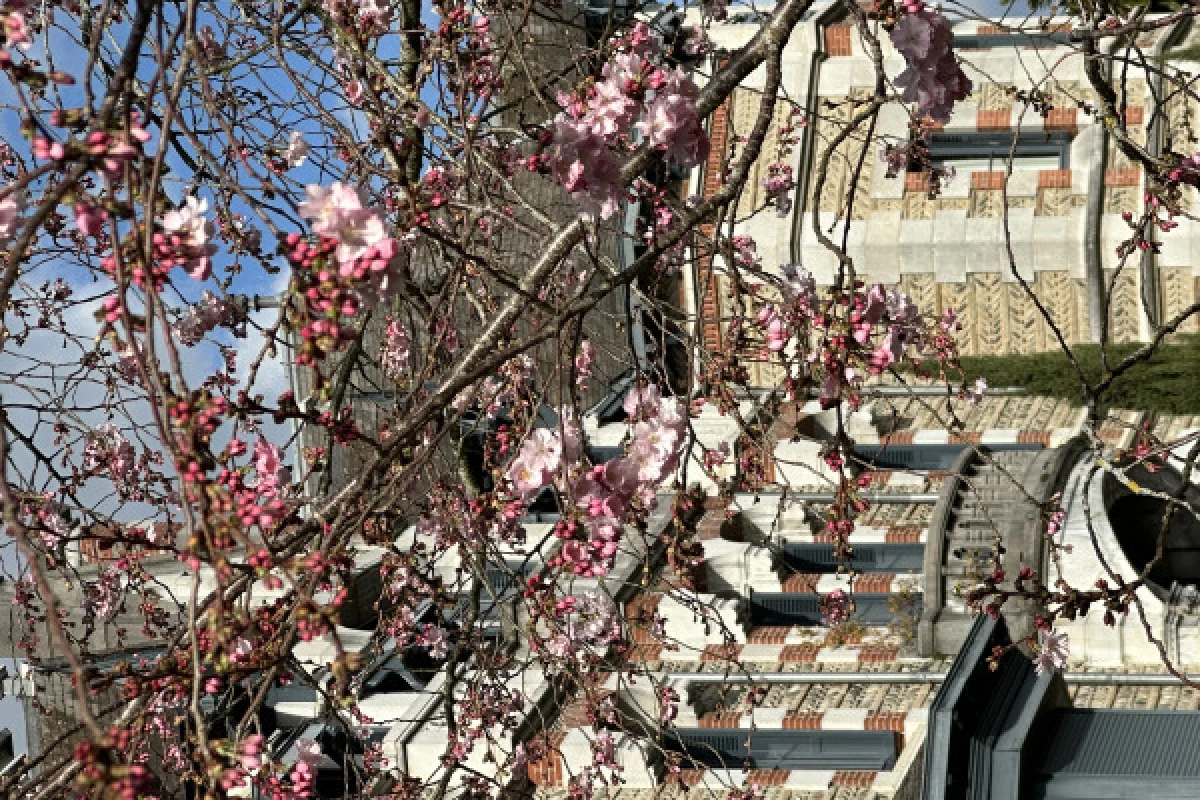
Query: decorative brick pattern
x,y
884,721
981,181
1061,119
575,713
548,770
643,606
801,582
991,30
785,423
837,41
879,477
768,634
1054,179
916,182
967,437
711,525
721,719
718,136
1135,115
1034,437
842,639
688,777
1127,176
803,721
767,777
645,653
878,654
639,634
799,654
721,652
874,582
900,437
853,779
994,119
903,534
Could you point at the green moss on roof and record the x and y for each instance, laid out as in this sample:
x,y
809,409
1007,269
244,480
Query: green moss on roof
x,y
1169,382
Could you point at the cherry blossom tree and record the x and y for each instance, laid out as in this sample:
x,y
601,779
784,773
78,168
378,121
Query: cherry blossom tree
x,y
233,228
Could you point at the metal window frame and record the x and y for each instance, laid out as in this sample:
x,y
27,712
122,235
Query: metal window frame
x,y
997,145
989,41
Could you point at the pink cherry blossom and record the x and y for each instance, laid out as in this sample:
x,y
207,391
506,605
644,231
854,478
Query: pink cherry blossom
x,y
308,751
89,218
340,211
978,392
611,109
1052,652
395,350
297,150
643,397
10,213
268,465
671,125
933,78
583,164
192,229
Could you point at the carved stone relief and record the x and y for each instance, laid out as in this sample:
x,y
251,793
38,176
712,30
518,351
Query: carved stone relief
x,y
1065,94
1181,120
1053,203
1124,312
960,297
923,291
1177,288
834,194
1063,299
953,204
994,96
990,319
1024,323
918,205
986,203
1119,199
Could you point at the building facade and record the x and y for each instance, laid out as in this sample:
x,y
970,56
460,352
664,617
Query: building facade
x,y
1038,196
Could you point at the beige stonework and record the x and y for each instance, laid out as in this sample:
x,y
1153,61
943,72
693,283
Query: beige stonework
x,y
1177,288
1124,311
1053,203
918,205
986,203
1121,199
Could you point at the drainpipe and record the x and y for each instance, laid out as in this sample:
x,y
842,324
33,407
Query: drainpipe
x,y
1092,246
808,140
1155,136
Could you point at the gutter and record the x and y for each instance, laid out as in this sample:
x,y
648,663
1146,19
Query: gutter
x,y
1155,135
878,498
807,143
1093,263
1078,678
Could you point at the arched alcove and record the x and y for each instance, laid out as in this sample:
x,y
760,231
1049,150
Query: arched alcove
x,y
1137,520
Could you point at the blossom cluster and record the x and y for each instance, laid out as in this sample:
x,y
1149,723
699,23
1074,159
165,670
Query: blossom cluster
x,y
201,318
933,77
604,493
636,91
